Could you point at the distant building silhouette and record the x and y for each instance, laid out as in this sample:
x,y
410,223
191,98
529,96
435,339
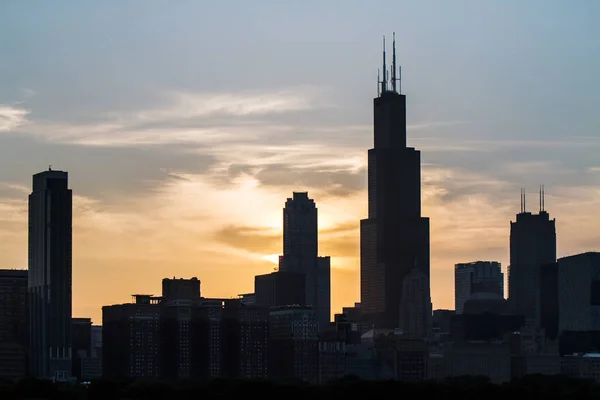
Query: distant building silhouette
x,y
482,277
50,275
301,254
181,288
181,335
394,240
280,288
294,344
579,292
13,324
131,339
532,244
81,331
549,307
91,366
245,340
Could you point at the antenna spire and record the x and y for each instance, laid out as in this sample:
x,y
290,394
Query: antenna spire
x,y
378,82
384,80
524,203
521,200
394,62
543,198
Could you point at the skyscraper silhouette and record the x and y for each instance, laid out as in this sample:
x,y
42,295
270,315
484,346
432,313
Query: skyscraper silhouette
x,y
50,274
532,244
394,261
301,253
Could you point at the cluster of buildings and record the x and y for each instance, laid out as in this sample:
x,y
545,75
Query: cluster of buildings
x,y
549,324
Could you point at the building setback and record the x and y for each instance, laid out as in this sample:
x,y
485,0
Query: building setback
x,y
394,239
50,275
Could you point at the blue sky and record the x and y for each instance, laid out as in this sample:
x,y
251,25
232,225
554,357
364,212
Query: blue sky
x,y
134,98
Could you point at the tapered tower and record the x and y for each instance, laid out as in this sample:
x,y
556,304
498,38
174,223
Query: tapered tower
x,y
395,237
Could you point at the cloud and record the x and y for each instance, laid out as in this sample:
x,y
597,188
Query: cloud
x,y
195,118
12,117
186,105
195,187
252,239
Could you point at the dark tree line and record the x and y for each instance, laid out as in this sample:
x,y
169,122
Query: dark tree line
x,y
546,387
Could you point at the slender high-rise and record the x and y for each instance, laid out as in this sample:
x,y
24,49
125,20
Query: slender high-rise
x,y
394,249
50,275
532,244
301,254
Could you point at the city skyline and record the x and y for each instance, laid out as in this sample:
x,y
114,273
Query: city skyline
x,y
179,166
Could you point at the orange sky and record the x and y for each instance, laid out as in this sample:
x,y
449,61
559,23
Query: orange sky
x,y
226,235
183,137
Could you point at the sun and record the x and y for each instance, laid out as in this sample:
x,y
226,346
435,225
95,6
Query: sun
x,y
272,258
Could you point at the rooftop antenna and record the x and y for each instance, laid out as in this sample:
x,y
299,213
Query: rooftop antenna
x,y
399,79
378,82
394,62
541,207
521,200
543,198
524,203
384,80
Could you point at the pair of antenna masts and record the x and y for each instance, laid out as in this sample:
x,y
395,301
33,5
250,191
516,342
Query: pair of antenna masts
x,y
382,85
542,195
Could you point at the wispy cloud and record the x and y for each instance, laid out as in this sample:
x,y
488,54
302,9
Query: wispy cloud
x,y
193,105
12,117
210,117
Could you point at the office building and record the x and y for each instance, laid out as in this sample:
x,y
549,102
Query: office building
x,y
301,254
532,244
91,366
394,239
181,288
13,324
479,277
130,339
280,288
50,275
245,340
294,344
81,331
579,292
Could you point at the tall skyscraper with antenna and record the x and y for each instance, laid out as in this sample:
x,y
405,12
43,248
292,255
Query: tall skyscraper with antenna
x,y
394,249
532,244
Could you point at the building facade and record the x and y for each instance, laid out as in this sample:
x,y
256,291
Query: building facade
x,y
13,324
483,277
579,292
50,275
245,340
294,344
280,288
